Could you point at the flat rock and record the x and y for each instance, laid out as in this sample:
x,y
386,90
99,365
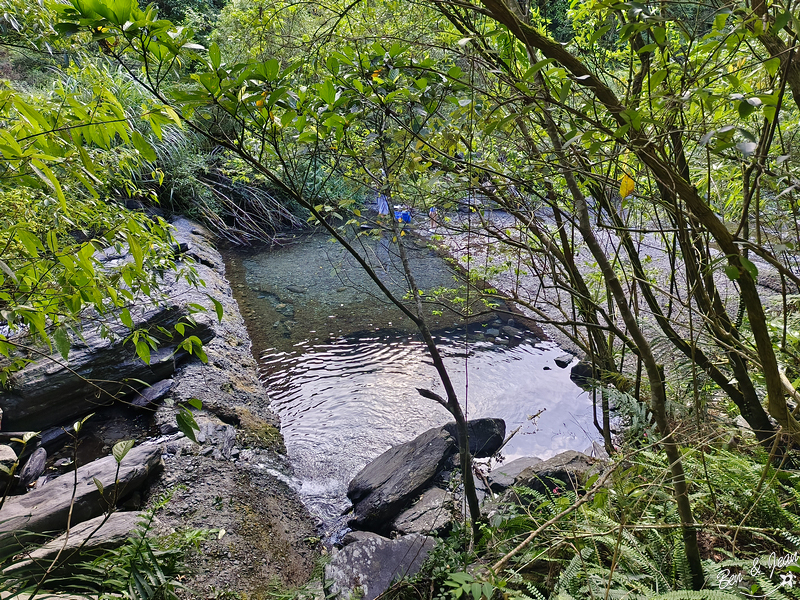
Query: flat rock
x,y
93,536
493,332
431,513
569,469
296,289
564,360
46,509
387,484
503,477
485,435
511,331
367,566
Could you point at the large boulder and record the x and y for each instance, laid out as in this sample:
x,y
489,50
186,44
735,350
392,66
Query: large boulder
x,y
49,507
568,470
368,565
390,482
485,435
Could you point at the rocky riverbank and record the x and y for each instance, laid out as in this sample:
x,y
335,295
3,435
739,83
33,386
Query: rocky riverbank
x,y
235,481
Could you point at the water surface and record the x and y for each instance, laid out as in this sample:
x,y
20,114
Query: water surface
x,y
342,364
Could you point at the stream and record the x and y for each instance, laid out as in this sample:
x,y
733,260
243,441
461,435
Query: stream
x,y
342,364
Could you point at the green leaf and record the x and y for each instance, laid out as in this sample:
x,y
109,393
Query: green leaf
x,y
143,351
46,175
215,55
125,317
781,21
198,404
186,424
61,339
732,272
749,267
98,484
217,307
143,147
7,270
745,109
31,242
120,449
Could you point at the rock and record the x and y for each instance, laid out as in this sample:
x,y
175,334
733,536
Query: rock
x,y
46,509
111,534
569,469
218,438
493,332
44,393
501,341
34,468
503,477
485,435
511,331
512,323
296,289
150,395
583,374
431,513
387,484
546,368
367,566
564,360
7,456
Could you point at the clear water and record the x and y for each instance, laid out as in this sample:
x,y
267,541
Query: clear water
x,y
342,365
344,402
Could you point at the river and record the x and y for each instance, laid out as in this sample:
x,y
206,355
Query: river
x,y
341,364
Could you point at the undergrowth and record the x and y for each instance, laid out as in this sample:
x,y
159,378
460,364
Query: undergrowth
x,y
626,542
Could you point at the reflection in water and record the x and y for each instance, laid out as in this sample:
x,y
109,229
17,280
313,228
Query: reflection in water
x,y
343,402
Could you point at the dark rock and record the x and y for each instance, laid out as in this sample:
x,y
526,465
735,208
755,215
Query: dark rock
x,y
91,537
296,289
431,513
387,484
546,368
564,360
368,565
503,477
569,469
47,509
511,331
45,393
493,332
485,435
583,374
150,395
34,468
512,323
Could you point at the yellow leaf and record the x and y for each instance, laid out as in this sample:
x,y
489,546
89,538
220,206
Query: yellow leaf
x,y
626,186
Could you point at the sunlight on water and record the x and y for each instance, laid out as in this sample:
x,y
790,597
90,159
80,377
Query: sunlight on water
x,y
343,402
